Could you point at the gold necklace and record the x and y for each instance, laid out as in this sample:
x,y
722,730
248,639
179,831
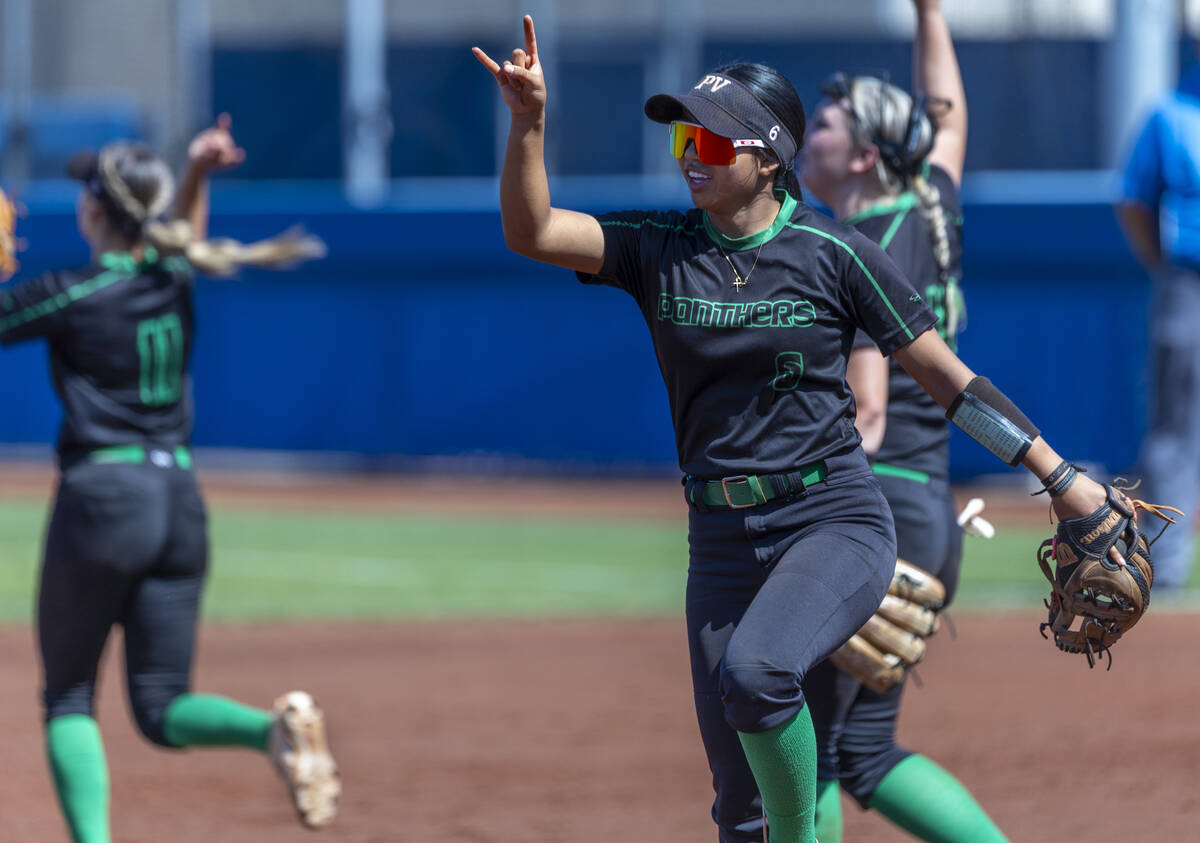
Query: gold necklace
x,y
738,280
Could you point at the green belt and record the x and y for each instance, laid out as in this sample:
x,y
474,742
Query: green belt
x,y
163,458
885,470
754,489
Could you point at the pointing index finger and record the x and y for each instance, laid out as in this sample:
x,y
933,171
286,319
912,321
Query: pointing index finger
x,y
530,39
486,61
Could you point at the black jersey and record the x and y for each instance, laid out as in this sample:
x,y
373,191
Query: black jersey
x,y
120,336
916,434
756,377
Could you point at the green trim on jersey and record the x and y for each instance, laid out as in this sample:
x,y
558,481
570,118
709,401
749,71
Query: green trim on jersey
x,y
904,202
886,240
126,261
120,266
640,223
68,296
178,263
787,204
903,325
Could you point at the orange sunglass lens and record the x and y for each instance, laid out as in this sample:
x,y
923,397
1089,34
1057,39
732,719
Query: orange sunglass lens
x,y
711,149
714,150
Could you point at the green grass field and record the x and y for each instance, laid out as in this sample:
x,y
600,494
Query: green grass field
x,y
272,564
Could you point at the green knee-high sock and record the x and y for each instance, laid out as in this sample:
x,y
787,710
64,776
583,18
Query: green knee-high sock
x,y
928,802
784,763
829,812
76,756
210,720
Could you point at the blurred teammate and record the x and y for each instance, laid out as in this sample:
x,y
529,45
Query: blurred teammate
x,y
889,166
753,300
1159,211
127,542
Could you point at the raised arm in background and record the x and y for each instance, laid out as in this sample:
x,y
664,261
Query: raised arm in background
x,y
531,226
212,150
936,73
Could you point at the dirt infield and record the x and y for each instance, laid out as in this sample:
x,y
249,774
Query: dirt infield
x,y
582,731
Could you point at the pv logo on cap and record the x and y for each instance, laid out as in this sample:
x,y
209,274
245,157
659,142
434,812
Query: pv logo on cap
x,y
714,82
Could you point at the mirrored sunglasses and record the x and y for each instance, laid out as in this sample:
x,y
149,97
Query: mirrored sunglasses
x,y
712,149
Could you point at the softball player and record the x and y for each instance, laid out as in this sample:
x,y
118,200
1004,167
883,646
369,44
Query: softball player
x,y
127,542
884,165
753,300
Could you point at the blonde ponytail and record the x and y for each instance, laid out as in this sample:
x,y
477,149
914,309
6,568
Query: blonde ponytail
x,y
224,256
931,210
934,214
136,188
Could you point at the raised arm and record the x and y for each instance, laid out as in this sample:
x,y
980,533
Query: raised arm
x,y
936,73
531,226
212,150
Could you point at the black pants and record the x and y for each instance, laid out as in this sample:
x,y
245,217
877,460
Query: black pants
x,y
772,590
856,727
127,544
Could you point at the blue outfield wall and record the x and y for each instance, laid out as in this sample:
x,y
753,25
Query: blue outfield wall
x,y
421,335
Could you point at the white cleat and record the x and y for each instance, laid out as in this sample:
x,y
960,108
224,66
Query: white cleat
x,y
972,523
299,749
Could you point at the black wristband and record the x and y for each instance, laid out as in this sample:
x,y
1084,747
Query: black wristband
x,y
1054,476
1067,481
1058,481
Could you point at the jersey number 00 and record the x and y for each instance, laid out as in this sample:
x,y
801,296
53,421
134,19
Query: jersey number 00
x,y
160,349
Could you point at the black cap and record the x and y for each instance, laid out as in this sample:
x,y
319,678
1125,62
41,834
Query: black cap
x,y
728,108
84,166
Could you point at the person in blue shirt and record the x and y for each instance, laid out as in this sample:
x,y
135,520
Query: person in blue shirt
x,y
1159,211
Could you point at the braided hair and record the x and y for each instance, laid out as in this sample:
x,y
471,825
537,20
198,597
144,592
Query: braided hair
x,y
903,131
135,188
